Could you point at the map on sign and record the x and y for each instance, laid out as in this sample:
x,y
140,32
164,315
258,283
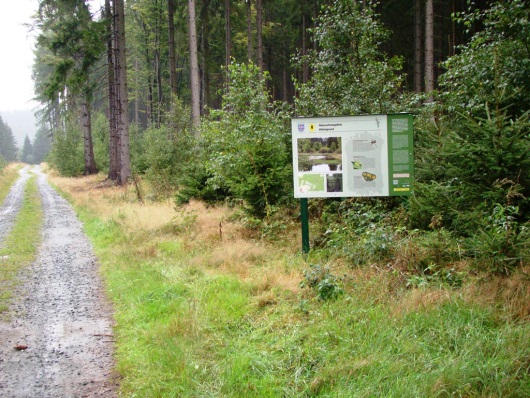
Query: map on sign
x,y
353,156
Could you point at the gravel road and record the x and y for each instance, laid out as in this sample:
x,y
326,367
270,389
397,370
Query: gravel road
x,y
12,203
60,312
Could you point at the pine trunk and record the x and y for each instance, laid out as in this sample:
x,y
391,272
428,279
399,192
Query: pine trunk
x,y
205,55
249,30
121,114
113,135
418,40
305,70
259,30
171,43
194,66
88,149
429,49
228,41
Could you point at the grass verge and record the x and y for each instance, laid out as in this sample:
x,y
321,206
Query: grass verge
x,y
203,308
8,176
20,247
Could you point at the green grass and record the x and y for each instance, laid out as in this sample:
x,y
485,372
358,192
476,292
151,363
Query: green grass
x,y
8,176
20,247
185,332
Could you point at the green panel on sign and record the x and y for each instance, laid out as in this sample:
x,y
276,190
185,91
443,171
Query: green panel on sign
x,y
400,154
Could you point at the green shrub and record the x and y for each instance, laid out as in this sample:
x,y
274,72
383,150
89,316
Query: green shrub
x,y
322,281
350,74
66,155
361,230
193,184
165,154
247,143
502,243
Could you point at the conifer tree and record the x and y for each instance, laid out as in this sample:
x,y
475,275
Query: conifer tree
x,y
8,146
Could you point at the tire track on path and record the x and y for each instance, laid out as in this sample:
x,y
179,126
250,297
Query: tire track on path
x,y
12,203
60,314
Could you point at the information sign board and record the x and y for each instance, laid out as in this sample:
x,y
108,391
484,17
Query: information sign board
x,y
370,155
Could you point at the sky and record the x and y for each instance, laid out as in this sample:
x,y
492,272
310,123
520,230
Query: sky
x,y
16,47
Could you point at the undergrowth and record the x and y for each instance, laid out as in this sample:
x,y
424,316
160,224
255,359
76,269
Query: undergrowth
x,y
199,313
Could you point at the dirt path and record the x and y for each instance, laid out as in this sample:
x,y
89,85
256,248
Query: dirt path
x,y
60,314
12,203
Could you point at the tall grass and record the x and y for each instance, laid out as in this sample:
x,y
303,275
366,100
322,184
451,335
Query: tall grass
x,y
8,176
199,313
20,247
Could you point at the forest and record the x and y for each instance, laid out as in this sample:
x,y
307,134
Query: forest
x,y
8,150
195,100
170,130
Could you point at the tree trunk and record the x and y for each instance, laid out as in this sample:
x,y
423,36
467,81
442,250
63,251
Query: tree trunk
x,y
88,149
136,94
158,85
285,85
205,47
249,30
113,135
228,42
121,114
305,70
171,43
418,40
429,49
194,66
259,30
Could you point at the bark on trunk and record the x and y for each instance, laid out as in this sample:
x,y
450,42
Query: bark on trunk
x,y
88,149
259,30
171,43
195,89
113,136
429,49
122,117
418,40
228,42
249,30
305,70
205,47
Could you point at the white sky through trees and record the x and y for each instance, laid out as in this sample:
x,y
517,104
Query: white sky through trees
x,y
16,49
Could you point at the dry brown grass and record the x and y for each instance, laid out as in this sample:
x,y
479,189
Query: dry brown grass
x,y
114,202
216,245
510,295
213,243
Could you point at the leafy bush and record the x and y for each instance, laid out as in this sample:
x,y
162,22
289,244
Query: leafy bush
x,y
194,184
350,73
435,275
322,281
166,154
361,230
473,148
66,155
502,243
247,143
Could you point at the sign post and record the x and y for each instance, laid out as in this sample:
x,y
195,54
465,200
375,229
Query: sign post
x,y
304,217
351,156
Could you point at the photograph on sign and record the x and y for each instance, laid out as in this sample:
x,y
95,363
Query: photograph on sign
x,y
352,156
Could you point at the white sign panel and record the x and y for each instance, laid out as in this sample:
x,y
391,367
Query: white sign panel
x,y
352,156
